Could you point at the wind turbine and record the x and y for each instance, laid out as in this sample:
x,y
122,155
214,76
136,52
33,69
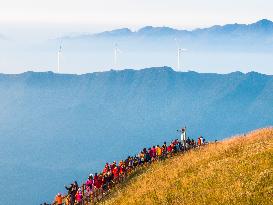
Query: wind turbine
x,y
116,51
59,57
179,52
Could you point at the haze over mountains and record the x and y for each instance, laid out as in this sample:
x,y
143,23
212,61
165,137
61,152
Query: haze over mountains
x,y
58,127
263,27
231,35
220,49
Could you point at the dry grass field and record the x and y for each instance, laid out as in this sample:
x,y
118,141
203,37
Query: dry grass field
x,y
235,171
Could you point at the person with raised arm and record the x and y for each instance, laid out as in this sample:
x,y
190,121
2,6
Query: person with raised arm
x,y
183,137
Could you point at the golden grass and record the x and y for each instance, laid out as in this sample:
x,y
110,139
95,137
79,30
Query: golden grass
x,y
236,171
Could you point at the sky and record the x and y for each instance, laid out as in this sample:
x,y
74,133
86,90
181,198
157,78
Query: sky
x,y
28,22
55,17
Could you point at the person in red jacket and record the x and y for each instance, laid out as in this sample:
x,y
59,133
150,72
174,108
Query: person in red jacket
x,y
89,186
99,186
116,174
153,153
112,166
96,178
169,150
99,181
150,154
89,182
106,168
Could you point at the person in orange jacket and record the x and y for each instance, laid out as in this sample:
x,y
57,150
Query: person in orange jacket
x,y
199,141
158,152
59,199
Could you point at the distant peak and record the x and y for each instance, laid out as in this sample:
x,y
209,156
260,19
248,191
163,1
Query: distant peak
x,y
153,28
116,32
122,30
236,73
253,73
160,69
264,22
146,28
157,30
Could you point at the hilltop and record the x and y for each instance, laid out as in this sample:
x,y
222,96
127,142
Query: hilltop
x,y
235,171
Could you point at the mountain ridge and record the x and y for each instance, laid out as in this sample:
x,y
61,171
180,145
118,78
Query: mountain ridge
x,y
262,26
153,69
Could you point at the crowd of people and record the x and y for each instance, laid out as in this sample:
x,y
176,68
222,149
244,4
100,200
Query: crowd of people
x,y
99,184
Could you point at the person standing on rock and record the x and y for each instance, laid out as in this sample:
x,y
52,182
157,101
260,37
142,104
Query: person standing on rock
x,y
183,137
202,140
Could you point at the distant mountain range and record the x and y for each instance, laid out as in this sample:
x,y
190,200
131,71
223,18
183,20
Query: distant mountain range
x,y
219,49
262,27
57,127
225,42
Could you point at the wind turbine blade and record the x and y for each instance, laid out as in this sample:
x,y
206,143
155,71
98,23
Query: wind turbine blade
x,y
177,43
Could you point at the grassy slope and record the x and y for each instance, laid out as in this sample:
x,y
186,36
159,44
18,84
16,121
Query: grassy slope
x,y
235,171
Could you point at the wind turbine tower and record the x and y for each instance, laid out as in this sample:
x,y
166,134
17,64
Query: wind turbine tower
x,y
59,57
179,52
116,51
